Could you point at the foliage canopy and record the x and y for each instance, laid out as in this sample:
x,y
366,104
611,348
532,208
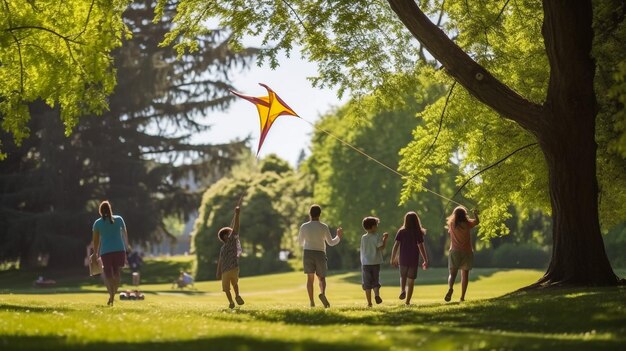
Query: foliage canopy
x,y
60,54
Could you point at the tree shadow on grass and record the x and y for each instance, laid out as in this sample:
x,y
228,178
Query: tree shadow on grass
x,y
601,310
235,343
390,277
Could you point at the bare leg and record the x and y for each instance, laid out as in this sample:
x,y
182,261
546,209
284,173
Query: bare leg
x,y
409,293
236,289
310,277
230,299
322,284
464,282
368,296
109,284
377,291
452,277
117,277
402,284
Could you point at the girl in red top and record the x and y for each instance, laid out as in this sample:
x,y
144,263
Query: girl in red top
x,y
461,254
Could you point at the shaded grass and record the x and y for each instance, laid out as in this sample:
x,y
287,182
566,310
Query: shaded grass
x,y
275,317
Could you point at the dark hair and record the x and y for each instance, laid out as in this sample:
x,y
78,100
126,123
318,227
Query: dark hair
x,y
458,216
315,211
412,222
369,222
223,233
105,210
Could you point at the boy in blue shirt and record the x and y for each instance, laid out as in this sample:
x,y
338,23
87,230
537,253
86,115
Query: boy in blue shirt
x,y
372,247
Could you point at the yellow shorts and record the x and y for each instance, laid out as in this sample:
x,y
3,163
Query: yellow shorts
x,y
230,277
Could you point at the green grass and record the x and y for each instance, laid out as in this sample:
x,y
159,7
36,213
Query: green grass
x,y
276,317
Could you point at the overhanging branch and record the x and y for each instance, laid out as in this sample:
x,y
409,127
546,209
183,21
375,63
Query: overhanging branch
x,y
475,78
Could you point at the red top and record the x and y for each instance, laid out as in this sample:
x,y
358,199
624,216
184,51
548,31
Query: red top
x,y
460,236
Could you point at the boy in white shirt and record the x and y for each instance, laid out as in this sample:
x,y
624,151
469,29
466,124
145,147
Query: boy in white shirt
x,y
372,247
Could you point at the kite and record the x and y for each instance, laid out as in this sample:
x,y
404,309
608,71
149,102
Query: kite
x,y
270,107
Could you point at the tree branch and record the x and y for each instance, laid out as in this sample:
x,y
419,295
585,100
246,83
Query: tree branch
x,y
44,29
443,112
475,78
491,166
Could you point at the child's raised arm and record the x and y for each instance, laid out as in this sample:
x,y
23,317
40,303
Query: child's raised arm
x,y
236,222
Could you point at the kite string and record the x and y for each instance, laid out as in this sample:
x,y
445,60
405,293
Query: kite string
x,y
375,160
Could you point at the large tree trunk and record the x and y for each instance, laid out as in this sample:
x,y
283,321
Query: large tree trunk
x,y
564,126
568,143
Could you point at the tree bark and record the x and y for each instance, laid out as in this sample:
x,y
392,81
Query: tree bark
x,y
564,127
568,143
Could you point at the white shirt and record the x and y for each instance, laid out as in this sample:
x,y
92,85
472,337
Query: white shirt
x,y
314,235
371,252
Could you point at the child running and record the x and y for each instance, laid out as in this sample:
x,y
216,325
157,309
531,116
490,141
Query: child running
x,y
461,254
372,247
405,254
228,262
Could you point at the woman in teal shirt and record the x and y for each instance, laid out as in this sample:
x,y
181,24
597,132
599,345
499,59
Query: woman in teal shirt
x,y
110,242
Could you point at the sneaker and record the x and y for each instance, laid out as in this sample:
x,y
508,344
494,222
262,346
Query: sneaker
x,y
402,295
378,300
239,300
231,305
448,296
324,300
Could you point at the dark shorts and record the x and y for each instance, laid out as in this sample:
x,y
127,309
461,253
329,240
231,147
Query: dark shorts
x,y
408,272
315,262
370,274
112,262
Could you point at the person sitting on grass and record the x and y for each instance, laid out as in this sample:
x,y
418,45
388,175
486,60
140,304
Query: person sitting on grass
x,y
372,247
405,254
461,254
228,262
184,280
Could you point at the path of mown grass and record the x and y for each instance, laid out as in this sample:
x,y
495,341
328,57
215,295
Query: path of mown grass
x,y
276,317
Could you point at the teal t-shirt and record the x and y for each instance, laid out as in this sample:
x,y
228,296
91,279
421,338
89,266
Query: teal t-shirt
x,y
111,234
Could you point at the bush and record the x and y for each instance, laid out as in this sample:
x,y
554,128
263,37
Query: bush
x,y
520,256
482,258
249,266
615,244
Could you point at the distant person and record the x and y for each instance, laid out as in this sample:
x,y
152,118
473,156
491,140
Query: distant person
x,y
110,242
313,236
372,247
406,254
135,261
461,254
228,262
184,280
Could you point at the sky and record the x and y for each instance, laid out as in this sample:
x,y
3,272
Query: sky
x,y
288,135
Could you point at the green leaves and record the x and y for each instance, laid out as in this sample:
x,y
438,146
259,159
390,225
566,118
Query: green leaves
x,y
59,54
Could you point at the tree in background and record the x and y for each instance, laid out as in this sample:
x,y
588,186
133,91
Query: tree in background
x,y
59,54
273,197
349,186
138,154
529,106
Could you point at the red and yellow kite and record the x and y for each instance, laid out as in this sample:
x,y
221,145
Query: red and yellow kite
x,y
269,107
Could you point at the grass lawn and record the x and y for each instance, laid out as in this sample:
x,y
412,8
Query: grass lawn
x,y
276,315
